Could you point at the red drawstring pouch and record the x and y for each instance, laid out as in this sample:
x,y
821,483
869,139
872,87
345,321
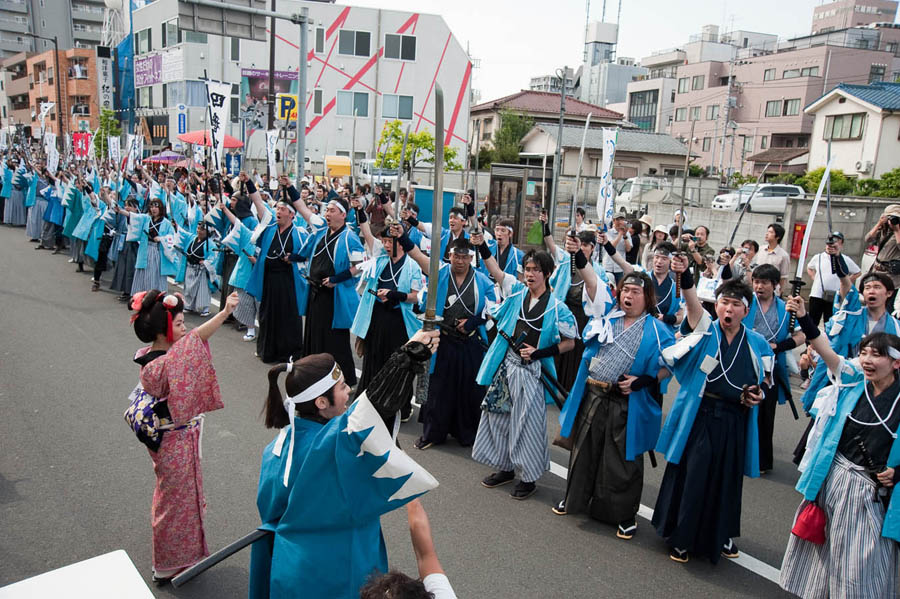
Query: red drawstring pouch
x,y
810,524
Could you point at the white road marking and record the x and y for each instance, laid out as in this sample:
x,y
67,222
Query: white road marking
x,y
744,560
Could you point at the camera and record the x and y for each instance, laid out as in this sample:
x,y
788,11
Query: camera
x,y
831,239
894,221
745,251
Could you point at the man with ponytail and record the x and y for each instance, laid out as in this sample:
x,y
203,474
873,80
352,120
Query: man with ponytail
x,y
177,386
330,474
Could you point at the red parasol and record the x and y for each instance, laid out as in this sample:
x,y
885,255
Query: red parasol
x,y
202,138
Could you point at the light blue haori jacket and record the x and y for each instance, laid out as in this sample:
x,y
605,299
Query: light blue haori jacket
x,y
74,208
89,215
676,302
347,249
31,180
139,229
780,373
445,238
644,412
255,281
240,241
54,213
343,475
845,330
485,296
210,261
513,264
7,174
409,279
561,280
830,410
685,359
557,322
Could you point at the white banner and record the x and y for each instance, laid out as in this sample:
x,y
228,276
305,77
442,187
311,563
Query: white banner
x,y
92,150
46,107
218,96
132,142
138,148
105,83
4,141
115,151
198,154
49,141
52,159
605,200
271,142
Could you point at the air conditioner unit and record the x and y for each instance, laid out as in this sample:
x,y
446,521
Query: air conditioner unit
x,y
863,166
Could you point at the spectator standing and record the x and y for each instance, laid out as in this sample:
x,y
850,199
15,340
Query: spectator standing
x,y
775,255
825,283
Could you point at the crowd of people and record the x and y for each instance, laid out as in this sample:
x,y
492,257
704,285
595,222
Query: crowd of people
x,y
315,272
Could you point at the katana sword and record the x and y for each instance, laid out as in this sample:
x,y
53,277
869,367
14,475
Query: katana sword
x,y
797,282
399,184
429,322
744,207
218,556
573,231
475,192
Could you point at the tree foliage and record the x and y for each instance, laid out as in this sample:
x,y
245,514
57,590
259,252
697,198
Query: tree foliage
x,y
840,184
419,147
109,127
508,138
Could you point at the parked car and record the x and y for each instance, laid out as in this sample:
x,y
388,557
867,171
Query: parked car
x,y
637,192
770,198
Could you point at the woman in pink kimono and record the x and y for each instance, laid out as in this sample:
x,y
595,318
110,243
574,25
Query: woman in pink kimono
x,y
177,386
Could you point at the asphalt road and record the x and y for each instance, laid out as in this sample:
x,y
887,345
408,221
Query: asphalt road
x,y
75,483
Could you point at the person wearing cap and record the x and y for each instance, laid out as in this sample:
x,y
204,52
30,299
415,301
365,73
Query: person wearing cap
x,y
454,396
658,235
332,251
710,437
886,235
622,241
859,313
825,284
613,413
678,219
512,434
768,317
848,473
330,474
276,282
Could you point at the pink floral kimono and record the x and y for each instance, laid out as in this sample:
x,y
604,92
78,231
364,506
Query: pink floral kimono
x,y
185,380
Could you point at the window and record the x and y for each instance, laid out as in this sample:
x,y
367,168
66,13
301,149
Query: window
x,y
173,93
320,40
768,74
748,143
790,74
194,37
707,143
143,41
876,73
712,112
170,33
317,101
773,108
145,97
236,49
400,47
695,113
891,47
235,108
764,142
809,72
791,107
680,114
195,93
683,84
397,107
354,43
165,97
642,109
697,82
347,102
844,126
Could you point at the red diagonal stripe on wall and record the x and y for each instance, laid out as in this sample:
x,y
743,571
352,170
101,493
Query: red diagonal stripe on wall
x,y
433,79
459,99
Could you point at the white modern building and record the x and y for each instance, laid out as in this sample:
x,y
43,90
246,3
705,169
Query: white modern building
x,y
379,65
604,77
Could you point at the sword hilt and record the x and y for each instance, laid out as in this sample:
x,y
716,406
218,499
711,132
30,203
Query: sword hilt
x,y
572,269
796,284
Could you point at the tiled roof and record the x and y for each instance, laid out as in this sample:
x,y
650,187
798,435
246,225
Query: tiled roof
x,y
778,155
629,140
882,94
547,102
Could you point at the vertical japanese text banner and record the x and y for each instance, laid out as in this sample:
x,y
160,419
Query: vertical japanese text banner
x,y
218,96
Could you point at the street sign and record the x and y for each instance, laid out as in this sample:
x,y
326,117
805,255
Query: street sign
x,y
286,107
219,21
182,123
233,164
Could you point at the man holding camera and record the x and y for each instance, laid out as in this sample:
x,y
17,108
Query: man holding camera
x,y
886,235
825,283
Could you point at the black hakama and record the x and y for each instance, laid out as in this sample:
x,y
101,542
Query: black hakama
x,y
567,364
454,399
387,332
280,326
322,338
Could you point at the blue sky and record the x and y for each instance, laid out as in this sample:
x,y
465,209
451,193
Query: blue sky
x,y
517,39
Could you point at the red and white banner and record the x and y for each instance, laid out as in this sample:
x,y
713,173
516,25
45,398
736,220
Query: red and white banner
x,y
82,142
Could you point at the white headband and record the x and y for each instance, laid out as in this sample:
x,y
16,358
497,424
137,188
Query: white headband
x,y
290,207
315,390
742,298
893,353
462,252
338,206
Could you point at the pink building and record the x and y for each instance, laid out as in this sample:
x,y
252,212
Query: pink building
x,y
852,13
743,107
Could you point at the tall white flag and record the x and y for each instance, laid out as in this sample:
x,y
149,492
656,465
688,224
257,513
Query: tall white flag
x,y
218,95
271,143
132,142
605,200
114,150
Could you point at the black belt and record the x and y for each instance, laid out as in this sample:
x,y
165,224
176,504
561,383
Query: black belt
x,y
714,402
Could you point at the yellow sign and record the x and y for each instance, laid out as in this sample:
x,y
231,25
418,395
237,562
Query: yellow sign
x,y
286,107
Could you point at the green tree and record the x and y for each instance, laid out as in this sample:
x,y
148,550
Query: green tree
x,y
867,187
508,138
420,147
695,170
485,158
889,185
840,184
109,127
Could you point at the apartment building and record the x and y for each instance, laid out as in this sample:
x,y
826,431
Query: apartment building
x,y
843,14
367,66
745,106
75,24
77,104
552,83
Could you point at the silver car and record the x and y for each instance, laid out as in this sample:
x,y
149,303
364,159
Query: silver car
x,y
770,198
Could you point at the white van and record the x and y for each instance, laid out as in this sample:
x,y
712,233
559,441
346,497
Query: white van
x,y
368,171
770,198
639,191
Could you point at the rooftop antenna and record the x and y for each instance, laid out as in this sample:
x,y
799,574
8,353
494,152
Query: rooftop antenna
x,y
587,20
603,13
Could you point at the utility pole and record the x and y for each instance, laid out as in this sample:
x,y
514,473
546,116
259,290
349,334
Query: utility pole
x,y
557,167
302,74
728,102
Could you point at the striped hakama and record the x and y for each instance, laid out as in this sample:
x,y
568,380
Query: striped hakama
x,y
196,288
123,274
516,440
246,310
855,562
49,234
35,221
149,278
78,252
14,210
